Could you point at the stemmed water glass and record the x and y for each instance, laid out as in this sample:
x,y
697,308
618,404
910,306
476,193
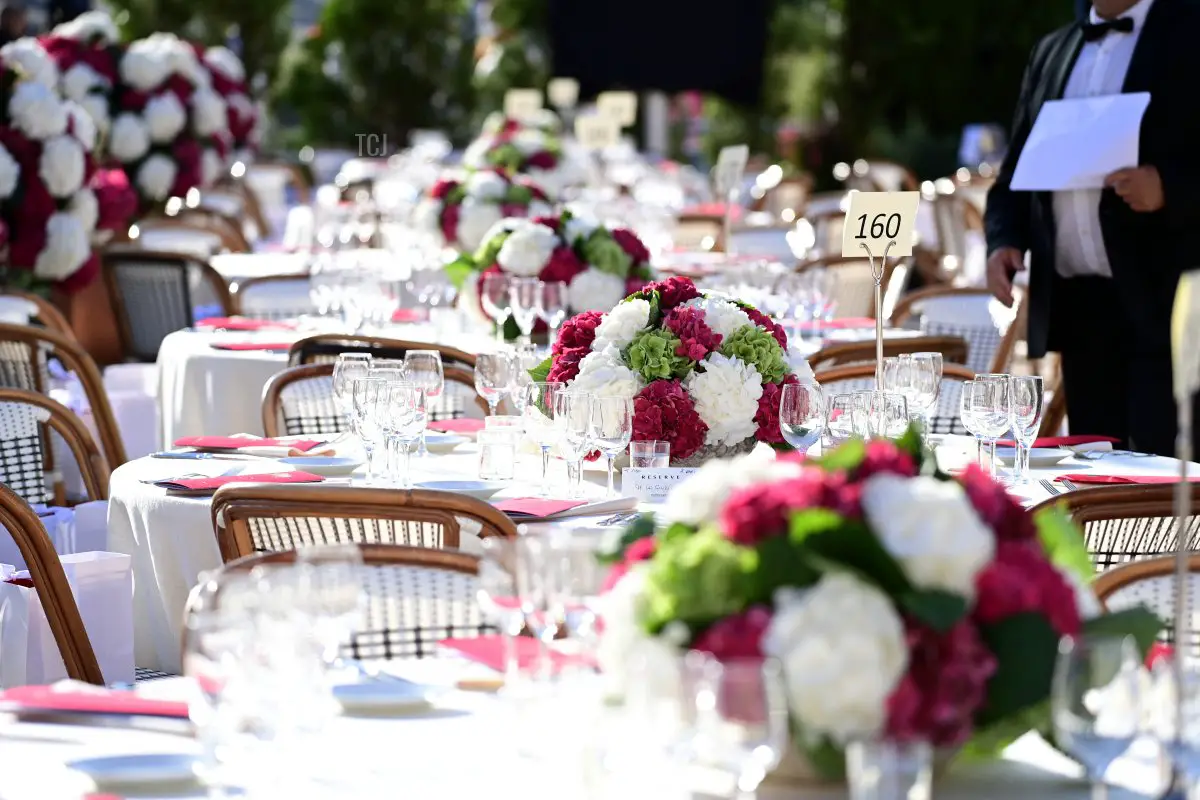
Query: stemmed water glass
x,y
552,305
365,393
1026,406
926,380
499,598
496,301
523,299
802,414
841,419
348,367
424,368
539,423
966,413
610,427
402,417
572,414
990,404
495,374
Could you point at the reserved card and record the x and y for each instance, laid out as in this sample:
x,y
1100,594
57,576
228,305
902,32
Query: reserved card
x,y
652,485
597,132
731,166
621,107
520,104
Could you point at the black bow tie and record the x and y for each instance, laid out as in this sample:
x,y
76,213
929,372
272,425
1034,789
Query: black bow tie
x,y
1097,31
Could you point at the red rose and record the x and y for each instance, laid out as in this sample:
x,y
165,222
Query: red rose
x,y
513,210
996,507
763,321
641,550
442,188
181,87
82,276
564,266
634,284
764,511
537,193
116,199
767,417
673,292
631,244
448,220
565,365
542,160
1020,580
737,637
696,339
553,223
578,332
883,456
663,411
187,154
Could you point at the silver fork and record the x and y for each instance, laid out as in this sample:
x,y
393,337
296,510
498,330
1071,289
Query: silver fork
x,y
1071,487
1050,487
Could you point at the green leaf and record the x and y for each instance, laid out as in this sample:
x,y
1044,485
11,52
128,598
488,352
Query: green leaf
x,y
455,196
512,331
459,270
826,759
938,609
641,528
519,195
780,563
1025,647
989,742
1139,622
912,443
852,544
845,458
539,373
1063,542
697,580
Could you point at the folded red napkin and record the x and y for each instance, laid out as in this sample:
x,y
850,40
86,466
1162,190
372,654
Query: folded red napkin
x,y
274,347
489,651
536,506
1087,477
216,482
1159,652
243,324
88,701
457,425
26,582
238,442
713,210
410,315
1064,441
845,323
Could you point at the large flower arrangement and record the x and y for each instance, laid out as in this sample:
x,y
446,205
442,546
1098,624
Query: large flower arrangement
x,y
518,149
229,81
705,371
545,121
464,208
901,602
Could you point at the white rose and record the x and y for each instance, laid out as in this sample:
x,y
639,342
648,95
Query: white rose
x,y
62,165
697,500
10,173
475,220
156,177
31,61
208,112
539,209
82,125
165,117
527,250
604,374
475,156
529,141
36,111
843,652
67,247
720,314
579,226
79,80
96,105
211,167
242,105
726,394
931,529
130,138
90,26
504,226
226,62
144,66
85,206
594,290
620,325
486,186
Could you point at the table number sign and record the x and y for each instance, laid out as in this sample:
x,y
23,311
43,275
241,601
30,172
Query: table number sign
x,y
597,132
652,485
522,103
621,107
731,166
563,92
881,221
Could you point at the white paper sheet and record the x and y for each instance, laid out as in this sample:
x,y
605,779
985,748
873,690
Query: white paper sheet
x,y
1076,143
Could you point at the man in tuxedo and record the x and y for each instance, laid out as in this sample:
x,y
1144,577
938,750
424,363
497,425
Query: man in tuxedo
x,y
1104,263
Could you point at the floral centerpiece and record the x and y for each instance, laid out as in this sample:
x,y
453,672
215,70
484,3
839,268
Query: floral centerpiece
x,y
86,51
545,121
528,151
229,81
464,207
705,371
901,602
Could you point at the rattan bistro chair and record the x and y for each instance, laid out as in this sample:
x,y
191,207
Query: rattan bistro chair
x,y
325,348
1150,582
952,348
45,314
990,329
414,598
29,422
266,518
50,583
1127,523
945,417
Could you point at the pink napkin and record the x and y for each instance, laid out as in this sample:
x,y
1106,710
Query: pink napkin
x,y
489,651
93,701
537,507
410,315
275,347
1064,441
208,484
467,426
243,324
713,210
846,323
1087,477
238,442
1159,651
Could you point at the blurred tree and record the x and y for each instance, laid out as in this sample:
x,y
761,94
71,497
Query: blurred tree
x,y
511,53
140,18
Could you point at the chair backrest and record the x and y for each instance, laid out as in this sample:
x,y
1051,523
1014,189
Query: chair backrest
x,y
325,348
1150,582
953,350
29,425
854,292
45,314
945,417
265,518
699,232
414,597
273,297
155,294
1127,523
990,329
53,590
25,352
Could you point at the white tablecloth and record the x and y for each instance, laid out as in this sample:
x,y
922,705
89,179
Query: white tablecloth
x,y
238,267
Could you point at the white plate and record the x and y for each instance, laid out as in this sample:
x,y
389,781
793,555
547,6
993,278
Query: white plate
x,y
1038,456
443,442
140,770
481,490
383,695
328,466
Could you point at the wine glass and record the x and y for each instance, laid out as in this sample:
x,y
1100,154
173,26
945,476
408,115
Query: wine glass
x,y
1095,701
333,583
1026,408
499,598
926,383
523,299
495,375
365,420
496,302
990,402
424,368
610,427
402,417
966,413
572,414
538,417
802,414
552,305
346,368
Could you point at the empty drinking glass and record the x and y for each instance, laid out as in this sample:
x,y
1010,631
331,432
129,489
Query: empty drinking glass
x,y
365,395
424,368
497,455
572,413
966,413
498,596
991,408
403,417
610,426
884,414
884,769
649,455
538,416
494,297
802,414
552,305
523,299
1026,408
495,374
841,420
348,367
926,382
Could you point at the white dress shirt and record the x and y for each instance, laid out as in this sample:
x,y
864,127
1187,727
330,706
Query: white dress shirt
x,y
1099,70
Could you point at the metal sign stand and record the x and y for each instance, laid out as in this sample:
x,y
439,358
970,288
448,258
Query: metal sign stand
x,y
727,221
1178,790
877,270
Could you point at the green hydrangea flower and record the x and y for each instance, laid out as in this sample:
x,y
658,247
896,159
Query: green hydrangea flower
x,y
506,156
652,353
486,255
602,252
519,195
756,346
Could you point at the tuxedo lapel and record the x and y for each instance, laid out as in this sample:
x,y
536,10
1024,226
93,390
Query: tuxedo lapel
x,y
1063,62
1140,76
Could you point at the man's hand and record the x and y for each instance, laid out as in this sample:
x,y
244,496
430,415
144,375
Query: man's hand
x,y
1002,265
1140,187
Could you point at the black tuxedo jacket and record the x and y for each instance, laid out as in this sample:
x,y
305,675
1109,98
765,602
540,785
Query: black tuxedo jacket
x,y
1147,252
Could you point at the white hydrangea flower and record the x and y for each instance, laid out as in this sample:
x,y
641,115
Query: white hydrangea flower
x,y
61,166
475,156
931,529
130,138
723,316
209,115
426,216
506,225
485,186
620,325
90,26
85,206
97,108
241,104
82,125
595,290
475,220
604,374
36,111
579,226
211,167
623,642
165,117
697,500
843,651
529,141
31,60
726,395
67,247
226,62
156,177
144,66
79,80
10,173
527,250
539,209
